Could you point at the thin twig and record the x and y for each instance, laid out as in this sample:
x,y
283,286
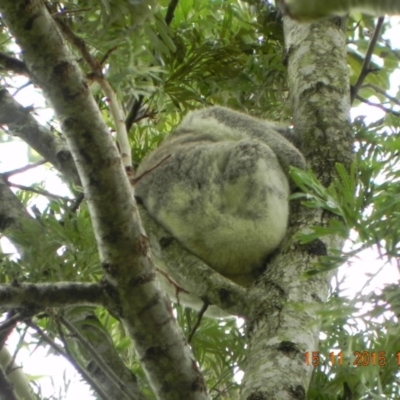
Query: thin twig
x,y
61,351
378,105
115,106
133,112
77,202
367,60
173,282
132,116
21,88
382,92
198,321
19,346
134,181
171,11
118,115
7,174
104,58
81,46
39,191
113,377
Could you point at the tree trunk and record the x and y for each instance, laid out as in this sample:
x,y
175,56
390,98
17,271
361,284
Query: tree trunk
x,y
288,326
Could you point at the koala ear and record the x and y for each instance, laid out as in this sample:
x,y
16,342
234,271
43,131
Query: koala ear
x,y
222,191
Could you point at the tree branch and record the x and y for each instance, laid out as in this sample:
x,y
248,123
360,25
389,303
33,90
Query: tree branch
x,y
13,64
308,10
61,294
84,319
11,210
123,247
288,323
21,124
199,279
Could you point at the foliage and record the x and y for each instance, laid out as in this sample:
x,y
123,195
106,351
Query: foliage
x,y
365,199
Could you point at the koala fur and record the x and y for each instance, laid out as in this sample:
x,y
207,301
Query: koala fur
x,y
223,192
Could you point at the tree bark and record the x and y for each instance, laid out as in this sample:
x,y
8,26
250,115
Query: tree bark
x,y
307,10
123,246
288,326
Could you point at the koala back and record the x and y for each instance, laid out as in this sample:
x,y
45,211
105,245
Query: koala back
x,y
222,192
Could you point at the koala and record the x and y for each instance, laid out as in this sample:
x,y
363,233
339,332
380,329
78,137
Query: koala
x,y
222,191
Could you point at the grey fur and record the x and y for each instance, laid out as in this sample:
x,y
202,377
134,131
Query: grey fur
x,y
223,193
